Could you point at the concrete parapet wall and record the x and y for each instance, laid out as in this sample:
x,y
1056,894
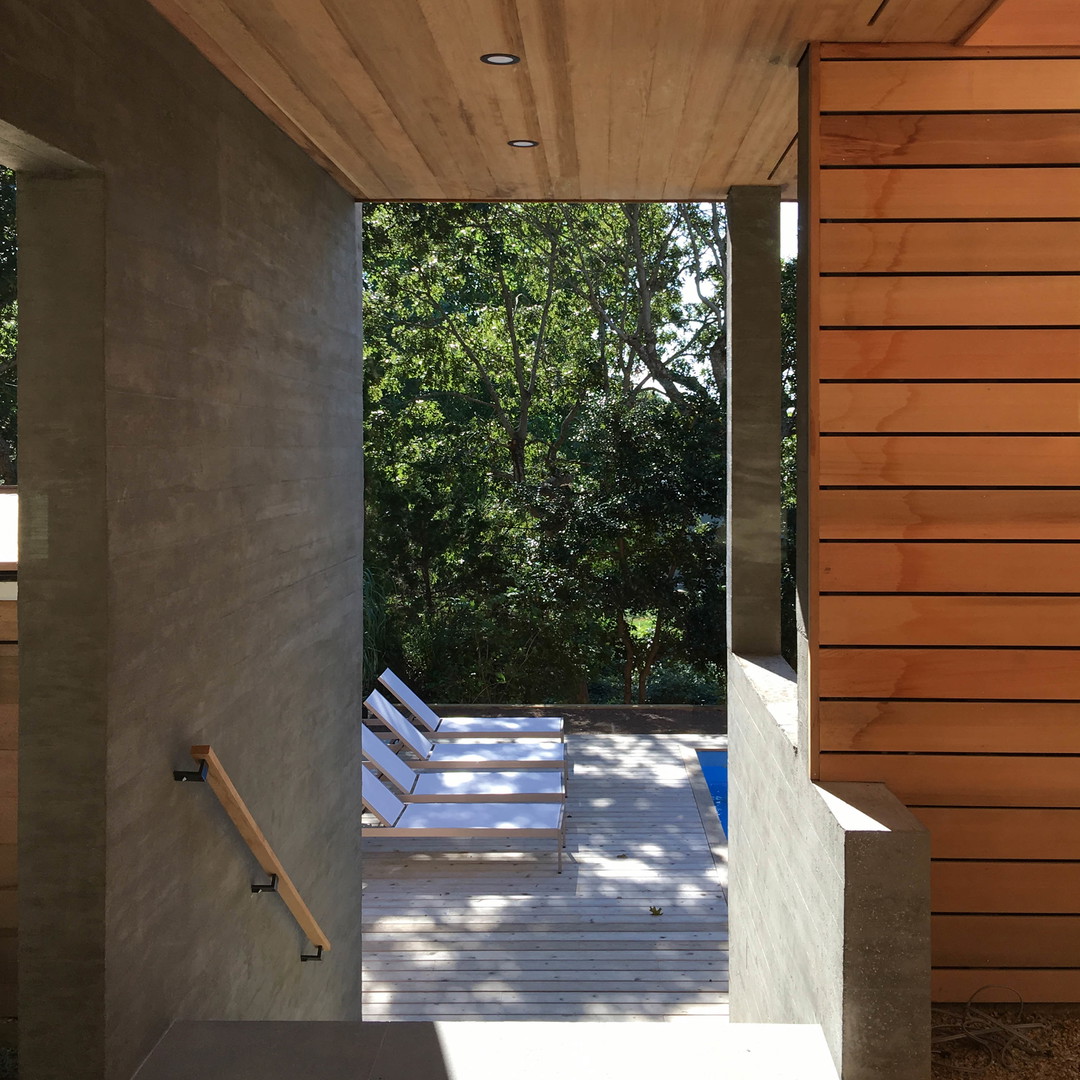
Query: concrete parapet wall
x,y
829,892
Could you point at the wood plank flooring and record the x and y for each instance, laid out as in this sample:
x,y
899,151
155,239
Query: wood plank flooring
x,y
452,934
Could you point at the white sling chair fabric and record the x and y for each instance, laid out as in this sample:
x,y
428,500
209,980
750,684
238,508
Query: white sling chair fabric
x,y
518,754
532,785
486,820
475,727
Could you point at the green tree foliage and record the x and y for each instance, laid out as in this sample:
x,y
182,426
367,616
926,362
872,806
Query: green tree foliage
x,y
788,465
9,330
544,445
637,534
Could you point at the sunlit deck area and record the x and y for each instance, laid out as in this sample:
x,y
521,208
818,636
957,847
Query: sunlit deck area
x,y
496,934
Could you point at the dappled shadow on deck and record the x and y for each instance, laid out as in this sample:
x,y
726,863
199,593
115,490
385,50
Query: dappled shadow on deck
x,y
451,933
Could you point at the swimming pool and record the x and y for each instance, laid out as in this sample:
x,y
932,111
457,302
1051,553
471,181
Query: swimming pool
x,y
714,769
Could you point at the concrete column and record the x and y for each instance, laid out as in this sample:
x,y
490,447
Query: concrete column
x,y
63,626
753,421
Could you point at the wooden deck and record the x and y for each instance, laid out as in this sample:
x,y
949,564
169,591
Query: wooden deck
x,y
498,935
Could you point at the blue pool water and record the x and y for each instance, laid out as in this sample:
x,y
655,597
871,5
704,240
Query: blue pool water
x,y
714,767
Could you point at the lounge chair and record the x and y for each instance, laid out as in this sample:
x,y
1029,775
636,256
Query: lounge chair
x,y
482,821
469,727
455,785
496,754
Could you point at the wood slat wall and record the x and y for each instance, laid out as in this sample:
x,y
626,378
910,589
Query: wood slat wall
x,y
943,269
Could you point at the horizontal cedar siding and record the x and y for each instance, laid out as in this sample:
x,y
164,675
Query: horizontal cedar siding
x,y
944,204
1009,138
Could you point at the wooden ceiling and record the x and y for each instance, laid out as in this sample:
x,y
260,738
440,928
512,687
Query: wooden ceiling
x,y
1027,22
627,99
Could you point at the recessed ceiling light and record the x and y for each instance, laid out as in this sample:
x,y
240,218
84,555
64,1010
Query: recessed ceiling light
x,y
522,144
502,59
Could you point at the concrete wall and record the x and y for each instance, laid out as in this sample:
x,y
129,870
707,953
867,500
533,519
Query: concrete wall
x,y
752,303
829,892
191,538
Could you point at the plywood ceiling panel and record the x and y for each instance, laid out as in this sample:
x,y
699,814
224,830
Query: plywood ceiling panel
x,y
627,99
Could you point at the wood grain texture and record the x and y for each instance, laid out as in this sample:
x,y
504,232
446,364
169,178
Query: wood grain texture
x,y
952,984
970,85
1031,621
9,673
978,23
928,49
464,935
962,779
252,835
928,247
808,412
1033,888
905,22
625,96
1051,941
951,301
1037,353
950,567
973,727
944,461
249,59
975,674
935,407
948,515
949,193
1028,22
949,671
950,139
9,620
996,833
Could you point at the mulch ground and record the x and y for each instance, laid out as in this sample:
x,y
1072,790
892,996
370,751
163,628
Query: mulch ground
x,y
1006,1042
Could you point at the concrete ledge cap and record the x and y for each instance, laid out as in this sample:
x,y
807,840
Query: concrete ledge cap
x,y
862,807
26,153
775,683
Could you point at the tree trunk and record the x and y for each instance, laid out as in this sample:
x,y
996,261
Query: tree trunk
x,y
628,665
429,602
517,458
650,659
582,696
718,363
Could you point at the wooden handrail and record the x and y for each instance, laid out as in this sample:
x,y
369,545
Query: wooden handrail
x,y
234,805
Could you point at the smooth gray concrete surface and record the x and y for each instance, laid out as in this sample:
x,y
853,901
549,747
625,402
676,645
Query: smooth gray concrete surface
x,y
753,402
269,1050
828,892
457,1050
63,609
192,484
